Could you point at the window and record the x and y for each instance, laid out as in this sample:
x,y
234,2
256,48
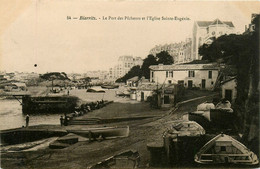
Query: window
x,y
152,74
169,81
166,100
191,73
170,73
181,82
166,73
213,33
210,74
222,148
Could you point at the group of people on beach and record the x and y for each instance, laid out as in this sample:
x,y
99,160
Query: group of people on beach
x,y
81,110
64,120
88,107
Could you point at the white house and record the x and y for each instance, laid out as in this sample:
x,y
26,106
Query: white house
x,y
229,90
202,76
145,90
132,82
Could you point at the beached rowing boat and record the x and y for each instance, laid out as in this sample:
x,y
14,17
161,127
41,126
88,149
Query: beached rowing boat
x,y
109,86
104,132
185,128
225,149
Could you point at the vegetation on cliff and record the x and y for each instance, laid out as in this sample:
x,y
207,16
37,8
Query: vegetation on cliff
x,y
242,51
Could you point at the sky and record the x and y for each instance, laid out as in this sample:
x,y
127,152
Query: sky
x,y
38,31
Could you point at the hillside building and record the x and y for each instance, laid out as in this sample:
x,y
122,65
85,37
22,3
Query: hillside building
x,y
125,63
206,32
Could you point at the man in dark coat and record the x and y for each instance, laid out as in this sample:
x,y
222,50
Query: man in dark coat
x,y
61,121
27,120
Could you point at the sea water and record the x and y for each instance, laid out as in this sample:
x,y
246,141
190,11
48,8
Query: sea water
x,y
11,115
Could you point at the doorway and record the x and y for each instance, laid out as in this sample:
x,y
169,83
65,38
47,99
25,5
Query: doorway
x,y
203,83
190,84
142,96
228,95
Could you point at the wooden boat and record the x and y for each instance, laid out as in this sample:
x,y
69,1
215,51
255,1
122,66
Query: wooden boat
x,y
225,149
182,141
185,128
109,86
123,93
103,132
126,159
95,91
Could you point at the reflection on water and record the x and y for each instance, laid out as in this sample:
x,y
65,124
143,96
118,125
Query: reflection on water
x,y
11,115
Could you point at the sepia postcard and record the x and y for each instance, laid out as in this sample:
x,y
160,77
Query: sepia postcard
x,y
129,84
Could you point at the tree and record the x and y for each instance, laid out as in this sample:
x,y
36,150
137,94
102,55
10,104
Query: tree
x,y
134,71
164,58
226,49
55,76
242,51
148,61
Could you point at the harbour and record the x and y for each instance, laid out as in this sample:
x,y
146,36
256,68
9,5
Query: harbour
x,y
114,85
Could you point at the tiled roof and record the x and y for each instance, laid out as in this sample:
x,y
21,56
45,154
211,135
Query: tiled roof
x,y
154,86
185,67
204,23
228,80
216,21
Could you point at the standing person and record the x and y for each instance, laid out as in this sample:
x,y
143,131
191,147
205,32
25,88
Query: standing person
x,y
27,120
61,121
68,92
66,120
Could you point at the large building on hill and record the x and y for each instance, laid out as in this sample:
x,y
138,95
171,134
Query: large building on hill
x,y
206,31
184,52
124,64
97,74
172,49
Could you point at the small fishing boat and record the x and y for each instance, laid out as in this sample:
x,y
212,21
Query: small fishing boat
x,y
126,159
181,141
103,132
123,93
225,149
95,91
109,86
185,128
